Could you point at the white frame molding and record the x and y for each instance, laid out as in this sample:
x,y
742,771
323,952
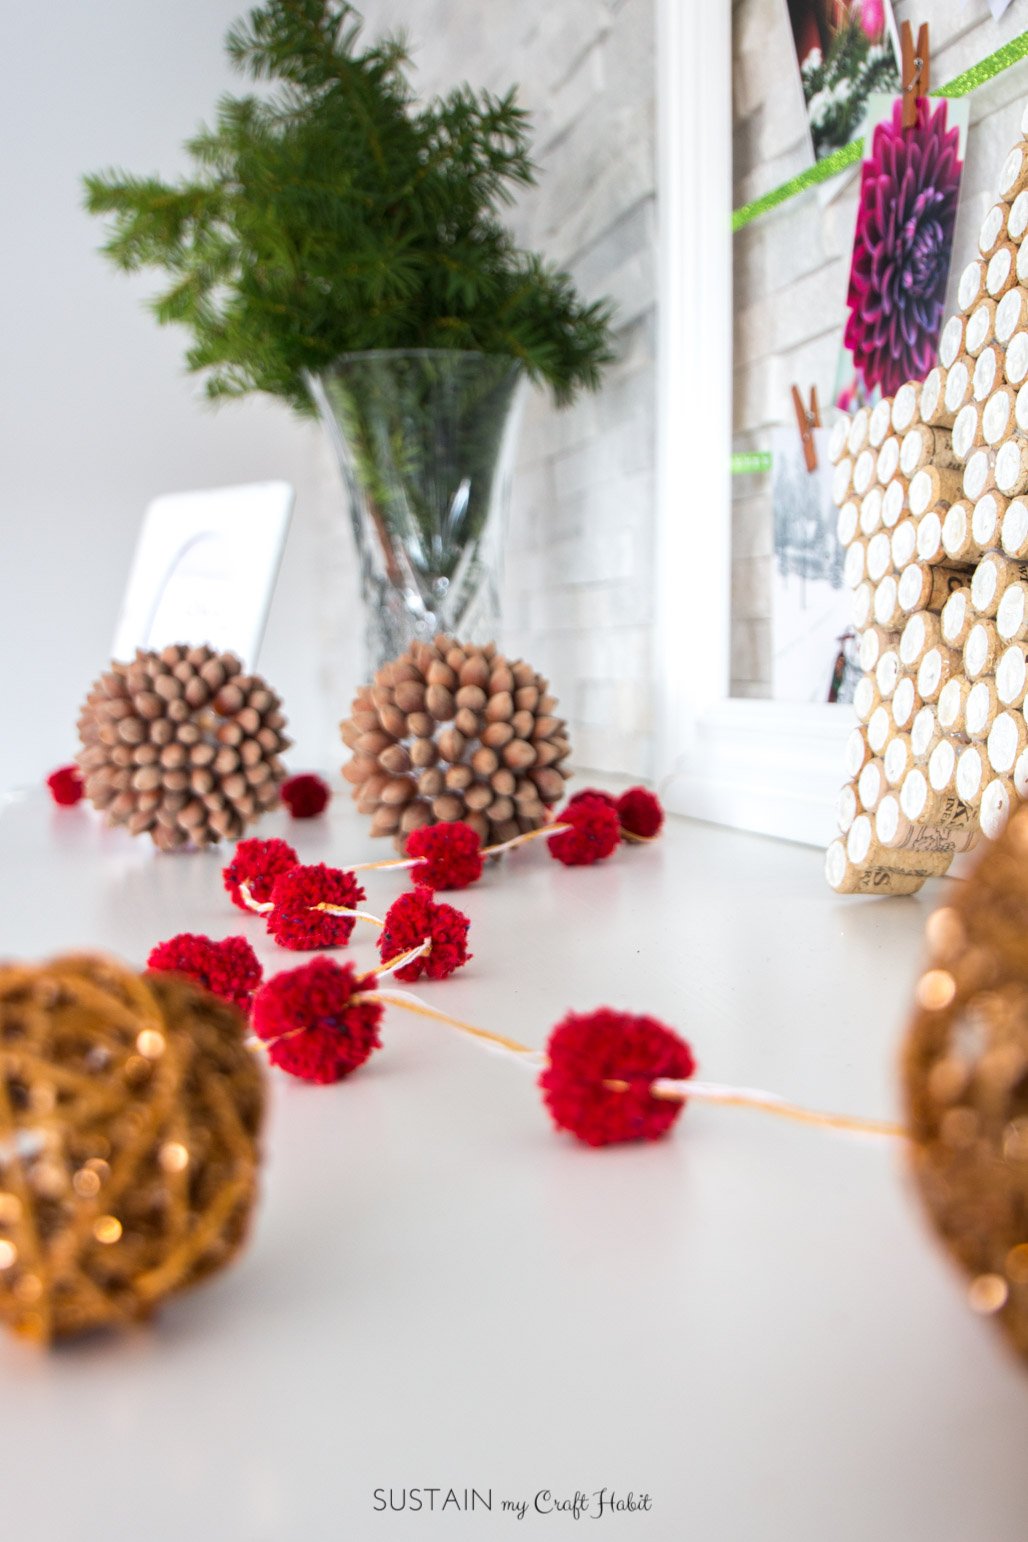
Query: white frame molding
x,y
760,765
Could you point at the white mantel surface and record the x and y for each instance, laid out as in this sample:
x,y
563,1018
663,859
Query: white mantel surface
x,y
749,1321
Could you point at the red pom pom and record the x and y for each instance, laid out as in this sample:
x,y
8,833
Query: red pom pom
x,y
66,785
296,923
305,795
451,853
592,792
640,813
313,1027
595,832
229,969
412,918
589,1048
257,864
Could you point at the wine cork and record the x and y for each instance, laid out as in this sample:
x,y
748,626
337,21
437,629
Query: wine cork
x,y
972,775
1001,272
838,435
887,673
1011,314
957,535
857,436
1014,529
971,284
894,503
878,559
880,423
871,784
986,519
957,618
863,849
938,665
887,611
905,703
842,481
888,460
1007,738
1017,219
897,759
846,808
904,408
932,401
932,487
1012,467
903,546
995,807
980,328
921,632
981,650
925,734
879,728
986,373
866,697
857,753
922,587
1015,362
993,226
923,446
980,709
874,641
929,547
844,878
942,765
1012,615
1012,178
952,704
994,574
854,565
1022,263
1020,778
848,522
871,510
1012,675
951,340
958,387
967,430
922,806
862,605
864,471
979,474
894,829
999,416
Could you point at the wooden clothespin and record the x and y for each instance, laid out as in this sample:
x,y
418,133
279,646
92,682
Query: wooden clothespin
x,y
916,67
807,419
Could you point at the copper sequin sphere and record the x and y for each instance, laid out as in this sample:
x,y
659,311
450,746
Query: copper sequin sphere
x,y
129,1114
966,1080
182,745
456,731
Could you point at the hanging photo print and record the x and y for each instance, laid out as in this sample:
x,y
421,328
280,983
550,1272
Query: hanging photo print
x,y
845,49
906,216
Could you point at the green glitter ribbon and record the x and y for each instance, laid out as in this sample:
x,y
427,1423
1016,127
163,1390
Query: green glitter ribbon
x,y
751,463
848,155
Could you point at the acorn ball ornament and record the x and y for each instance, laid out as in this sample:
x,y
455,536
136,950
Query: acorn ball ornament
x,y
130,1109
455,731
182,745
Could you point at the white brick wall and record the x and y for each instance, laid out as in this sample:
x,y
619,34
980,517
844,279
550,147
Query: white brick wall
x,y
579,581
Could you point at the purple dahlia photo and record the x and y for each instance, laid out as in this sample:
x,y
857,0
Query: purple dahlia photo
x,y
905,217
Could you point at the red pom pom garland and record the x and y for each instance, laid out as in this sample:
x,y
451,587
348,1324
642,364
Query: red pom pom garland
x,y
449,855
305,795
251,874
590,1051
318,1022
314,907
229,969
414,919
641,814
66,786
589,831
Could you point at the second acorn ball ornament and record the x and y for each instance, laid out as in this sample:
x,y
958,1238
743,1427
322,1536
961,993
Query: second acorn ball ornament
x,y
452,731
182,745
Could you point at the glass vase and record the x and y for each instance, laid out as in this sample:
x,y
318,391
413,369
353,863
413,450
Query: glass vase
x,y
425,440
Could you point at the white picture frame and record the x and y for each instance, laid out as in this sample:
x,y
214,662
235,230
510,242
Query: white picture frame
x,y
771,767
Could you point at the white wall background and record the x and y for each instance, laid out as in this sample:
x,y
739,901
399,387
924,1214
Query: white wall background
x,y
98,415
